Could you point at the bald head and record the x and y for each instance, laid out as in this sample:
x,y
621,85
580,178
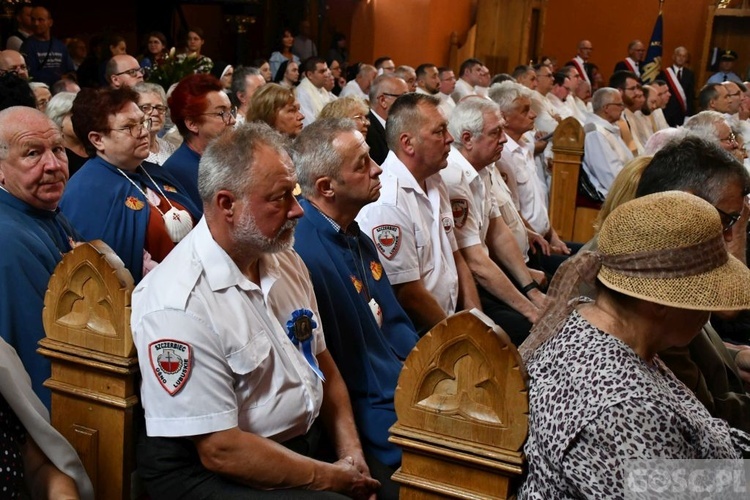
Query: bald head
x,y
39,179
123,71
384,90
12,61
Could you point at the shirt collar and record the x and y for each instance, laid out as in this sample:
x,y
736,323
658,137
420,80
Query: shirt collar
x,y
221,271
461,162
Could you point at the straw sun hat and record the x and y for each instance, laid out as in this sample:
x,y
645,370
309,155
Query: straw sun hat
x,y
668,248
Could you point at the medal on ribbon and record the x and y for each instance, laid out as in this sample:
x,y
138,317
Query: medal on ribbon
x,y
300,331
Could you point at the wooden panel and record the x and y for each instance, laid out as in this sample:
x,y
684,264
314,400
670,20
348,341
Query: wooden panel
x,y
568,153
462,412
584,224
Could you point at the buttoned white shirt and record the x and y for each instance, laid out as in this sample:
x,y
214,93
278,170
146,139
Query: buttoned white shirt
x,y
418,225
532,192
243,368
508,210
472,202
353,89
605,153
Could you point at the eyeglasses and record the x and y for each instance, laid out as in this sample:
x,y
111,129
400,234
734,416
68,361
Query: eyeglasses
x,y
396,96
730,139
618,104
15,69
131,72
361,118
727,220
148,108
136,129
226,116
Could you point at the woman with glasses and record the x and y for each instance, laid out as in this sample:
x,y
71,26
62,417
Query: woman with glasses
x,y
350,107
201,111
137,208
277,106
153,102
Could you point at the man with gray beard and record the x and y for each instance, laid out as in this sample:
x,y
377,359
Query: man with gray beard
x,y
231,352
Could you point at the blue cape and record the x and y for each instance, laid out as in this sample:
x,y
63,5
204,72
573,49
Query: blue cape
x,y
95,202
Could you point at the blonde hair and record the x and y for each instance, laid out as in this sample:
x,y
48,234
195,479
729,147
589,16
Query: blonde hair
x,y
267,101
344,107
623,187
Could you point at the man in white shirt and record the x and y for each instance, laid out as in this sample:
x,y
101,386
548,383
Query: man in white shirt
x,y
428,80
605,153
517,162
230,348
411,223
311,93
360,86
447,86
484,239
469,77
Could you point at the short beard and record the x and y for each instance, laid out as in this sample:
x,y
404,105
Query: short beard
x,y
248,237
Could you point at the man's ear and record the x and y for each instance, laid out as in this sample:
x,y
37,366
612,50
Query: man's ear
x,y
407,143
324,187
224,202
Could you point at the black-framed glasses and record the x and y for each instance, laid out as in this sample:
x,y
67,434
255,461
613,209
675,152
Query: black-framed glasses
x,y
728,220
148,108
15,69
135,130
226,116
395,96
731,138
131,72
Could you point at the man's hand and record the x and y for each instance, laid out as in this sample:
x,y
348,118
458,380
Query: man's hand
x,y
557,245
345,477
537,238
538,276
538,299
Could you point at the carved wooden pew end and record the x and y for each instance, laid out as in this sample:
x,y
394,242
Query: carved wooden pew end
x,y
94,365
462,412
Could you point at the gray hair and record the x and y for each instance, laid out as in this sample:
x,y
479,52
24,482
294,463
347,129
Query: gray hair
x,y
240,75
229,161
602,97
506,93
405,116
59,106
468,116
704,125
313,153
151,88
38,85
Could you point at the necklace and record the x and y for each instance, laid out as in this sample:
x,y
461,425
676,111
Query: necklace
x,y
178,223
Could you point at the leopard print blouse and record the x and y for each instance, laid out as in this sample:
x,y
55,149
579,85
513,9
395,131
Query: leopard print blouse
x,y
594,403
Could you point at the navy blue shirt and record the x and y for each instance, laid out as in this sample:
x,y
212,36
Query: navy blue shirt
x,y
346,272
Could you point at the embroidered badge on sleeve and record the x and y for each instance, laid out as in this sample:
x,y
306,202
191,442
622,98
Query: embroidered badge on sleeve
x,y
387,239
460,212
171,361
134,203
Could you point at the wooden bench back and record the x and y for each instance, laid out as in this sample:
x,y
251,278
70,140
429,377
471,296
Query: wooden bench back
x,y
94,380
462,412
571,222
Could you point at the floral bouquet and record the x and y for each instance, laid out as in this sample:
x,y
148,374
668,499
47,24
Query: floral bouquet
x,y
174,67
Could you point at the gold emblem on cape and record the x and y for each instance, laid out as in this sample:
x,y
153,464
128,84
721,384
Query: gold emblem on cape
x,y
377,270
357,283
169,188
133,203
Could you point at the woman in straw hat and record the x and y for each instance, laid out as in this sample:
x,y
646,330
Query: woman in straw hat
x,y
598,394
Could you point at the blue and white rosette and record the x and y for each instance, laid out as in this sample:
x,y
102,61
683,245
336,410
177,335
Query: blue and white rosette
x,y
300,331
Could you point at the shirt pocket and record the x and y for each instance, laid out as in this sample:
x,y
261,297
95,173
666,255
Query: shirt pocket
x,y
422,241
252,367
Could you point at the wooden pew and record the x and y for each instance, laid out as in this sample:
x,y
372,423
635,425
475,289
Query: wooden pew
x,y
462,412
94,380
572,218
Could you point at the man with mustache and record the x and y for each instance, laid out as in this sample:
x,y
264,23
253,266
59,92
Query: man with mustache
x,y
366,329
230,347
33,174
486,242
